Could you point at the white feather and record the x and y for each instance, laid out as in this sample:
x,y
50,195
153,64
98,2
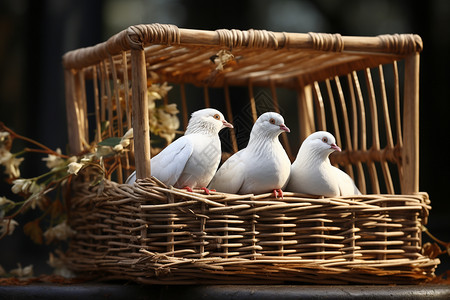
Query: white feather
x,y
312,172
191,160
263,166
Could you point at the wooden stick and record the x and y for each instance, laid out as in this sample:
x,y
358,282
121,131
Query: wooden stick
x,y
305,112
73,125
410,155
230,117
141,129
320,108
375,132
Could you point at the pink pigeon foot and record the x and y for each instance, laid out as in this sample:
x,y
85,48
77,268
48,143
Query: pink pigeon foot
x,y
278,192
188,189
207,191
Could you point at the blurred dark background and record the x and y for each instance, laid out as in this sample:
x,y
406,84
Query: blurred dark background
x,y
35,34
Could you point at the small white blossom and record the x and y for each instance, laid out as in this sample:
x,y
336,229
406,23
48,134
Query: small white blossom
x,y
4,135
26,186
35,188
36,197
5,201
171,108
152,95
22,272
72,159
87,158
11,163
128,134
54,161
21,185
7,226
59,232
118,148
157,91
124,141
59,266
74,168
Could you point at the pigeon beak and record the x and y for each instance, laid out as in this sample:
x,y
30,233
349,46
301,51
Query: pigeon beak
x,y
335,147
284,128
226,124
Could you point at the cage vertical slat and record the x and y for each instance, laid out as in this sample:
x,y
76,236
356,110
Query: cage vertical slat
x,y
230,117
355,130
118,111
126,89
206,96
103,96
410,155
334,116
184,105
141,129
345,117
362,133
117,96
80,107
108,100
81,97
127,110
375,131
98,126
284,138
252,101
388,131
398,121
320,109
398,113
73,125
305,112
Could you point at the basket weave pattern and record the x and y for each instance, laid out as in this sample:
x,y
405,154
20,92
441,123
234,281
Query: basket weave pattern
x,y
155,234
362,89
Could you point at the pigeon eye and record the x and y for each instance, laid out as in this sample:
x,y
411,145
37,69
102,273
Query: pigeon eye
x,y
272,121
216,116
324,139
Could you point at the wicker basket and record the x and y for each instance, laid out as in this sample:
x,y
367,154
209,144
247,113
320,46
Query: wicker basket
x,y
152,233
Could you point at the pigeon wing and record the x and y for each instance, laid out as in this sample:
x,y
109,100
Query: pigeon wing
x,y
230,176
168,165
346,184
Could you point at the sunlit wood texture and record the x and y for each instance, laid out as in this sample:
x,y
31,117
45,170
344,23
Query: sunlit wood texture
x,y
140,114
410,154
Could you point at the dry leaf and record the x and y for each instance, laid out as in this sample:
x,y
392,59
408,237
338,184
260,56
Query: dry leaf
x,y
34,231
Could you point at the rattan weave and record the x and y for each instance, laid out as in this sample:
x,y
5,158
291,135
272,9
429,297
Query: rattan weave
x,y
362,89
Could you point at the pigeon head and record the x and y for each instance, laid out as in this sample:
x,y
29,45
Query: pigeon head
x,y
208,120
269,124
322,142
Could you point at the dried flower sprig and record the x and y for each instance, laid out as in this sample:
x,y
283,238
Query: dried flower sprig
x,y
432,249
46,192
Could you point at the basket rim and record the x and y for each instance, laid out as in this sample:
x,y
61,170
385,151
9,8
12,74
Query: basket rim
x,y
139,36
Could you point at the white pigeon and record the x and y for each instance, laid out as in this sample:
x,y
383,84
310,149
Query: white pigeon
x,y
312,172
191,160
263,166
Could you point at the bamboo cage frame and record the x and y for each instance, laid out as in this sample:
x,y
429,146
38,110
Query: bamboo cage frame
x,y
255,234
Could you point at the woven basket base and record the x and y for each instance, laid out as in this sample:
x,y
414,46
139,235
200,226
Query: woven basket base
x,y
154,234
